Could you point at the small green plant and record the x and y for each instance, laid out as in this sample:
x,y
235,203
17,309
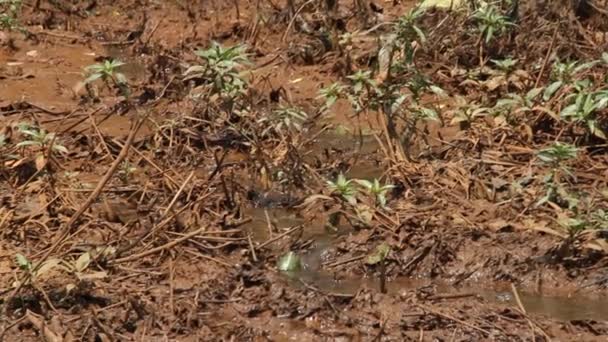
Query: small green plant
x,y
379,257
38,137
506,65
125,171
557,153
221,68
574,225
555,156
331,94
289,118
362,80
9,15
564,73
380,254
26,266
407,32
466,112
108,72
584,110
490,22
344,188
516,103
377,190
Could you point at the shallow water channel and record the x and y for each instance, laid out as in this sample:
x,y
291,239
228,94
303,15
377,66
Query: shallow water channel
x,y
564,308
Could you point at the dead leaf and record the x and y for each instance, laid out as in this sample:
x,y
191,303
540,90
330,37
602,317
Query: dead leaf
x,y
36,321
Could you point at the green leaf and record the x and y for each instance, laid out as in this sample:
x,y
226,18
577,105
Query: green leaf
x,y
289,262
28,143
595,130
93,78
533,93
365,183
551,89
379,254
60,148
22,262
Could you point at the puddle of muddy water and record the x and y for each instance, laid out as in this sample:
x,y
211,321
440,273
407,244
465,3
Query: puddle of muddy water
x,y
366,147
277,217
576,307
562,308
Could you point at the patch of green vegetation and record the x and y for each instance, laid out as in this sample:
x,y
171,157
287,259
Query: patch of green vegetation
x,y
10,10
39,137
220,69
109,73
491,22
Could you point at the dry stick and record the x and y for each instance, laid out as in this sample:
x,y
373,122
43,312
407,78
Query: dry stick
x,y
294,18
523,311
92,197
99,135
346,261
200,255
253,255
546,60
179,191
280,236
160,248
438,313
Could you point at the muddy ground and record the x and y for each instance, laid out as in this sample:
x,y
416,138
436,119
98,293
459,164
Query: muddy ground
x,y
166,211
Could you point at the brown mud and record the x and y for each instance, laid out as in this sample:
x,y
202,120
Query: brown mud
x,y
183,240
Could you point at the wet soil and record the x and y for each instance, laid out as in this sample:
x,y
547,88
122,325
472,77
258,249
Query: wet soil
x,y
180,241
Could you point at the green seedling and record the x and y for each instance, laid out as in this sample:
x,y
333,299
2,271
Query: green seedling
x,y
344,188
34,273
599,219
379,257
584,110
466,112
573,225
376,189
289,118
9,15
220,68
407,32
362,80
506,65
106,71
38,137
517,103
331,94
557,153
490,22
125,171
380,253
564,73
555,156
406,27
